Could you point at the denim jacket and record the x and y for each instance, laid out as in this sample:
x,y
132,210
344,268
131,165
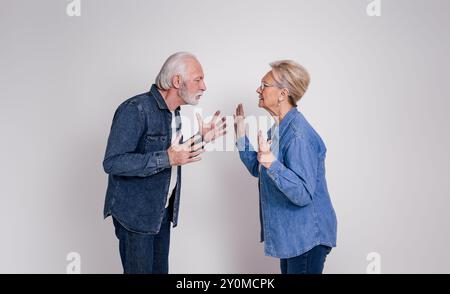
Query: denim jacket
x,y
296,213
137,163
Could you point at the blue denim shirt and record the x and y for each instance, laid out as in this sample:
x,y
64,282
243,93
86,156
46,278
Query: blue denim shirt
x,y
296,213
137,163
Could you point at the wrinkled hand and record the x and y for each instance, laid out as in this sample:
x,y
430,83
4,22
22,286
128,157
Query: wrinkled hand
x,y
212,130
265,156
187,152
239,122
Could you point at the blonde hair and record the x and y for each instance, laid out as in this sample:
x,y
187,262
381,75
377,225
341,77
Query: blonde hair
x,y
292,76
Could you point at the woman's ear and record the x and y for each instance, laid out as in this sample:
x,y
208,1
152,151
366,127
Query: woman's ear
x,y
285,93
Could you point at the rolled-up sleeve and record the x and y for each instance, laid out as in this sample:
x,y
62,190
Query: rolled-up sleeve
x,y
296,178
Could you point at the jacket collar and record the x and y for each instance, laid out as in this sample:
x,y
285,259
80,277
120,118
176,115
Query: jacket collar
x,y
159,99
287,120
278,130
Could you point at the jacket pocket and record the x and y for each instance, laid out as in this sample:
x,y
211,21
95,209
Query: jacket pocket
x,y
156,143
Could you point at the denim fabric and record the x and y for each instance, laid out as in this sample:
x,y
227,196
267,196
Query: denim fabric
x,y
145,253
311,262
296,212
137,163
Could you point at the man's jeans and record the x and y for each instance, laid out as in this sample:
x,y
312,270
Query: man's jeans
x,y
145,253
310,262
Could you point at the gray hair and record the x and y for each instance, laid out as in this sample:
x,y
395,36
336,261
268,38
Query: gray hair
x,y
174,65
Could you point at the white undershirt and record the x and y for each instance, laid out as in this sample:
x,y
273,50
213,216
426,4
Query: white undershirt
x,y
173,174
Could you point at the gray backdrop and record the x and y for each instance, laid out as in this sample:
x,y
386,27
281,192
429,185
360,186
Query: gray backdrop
x,y
378,97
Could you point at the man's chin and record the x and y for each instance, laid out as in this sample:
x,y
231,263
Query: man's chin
x,y
194,101
191,101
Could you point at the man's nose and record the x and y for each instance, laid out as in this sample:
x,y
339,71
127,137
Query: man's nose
x,y
203,86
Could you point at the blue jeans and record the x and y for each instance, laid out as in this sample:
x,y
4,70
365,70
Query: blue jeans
x,y
310,262
145,253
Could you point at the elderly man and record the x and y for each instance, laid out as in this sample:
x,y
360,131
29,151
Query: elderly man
x,y
144,157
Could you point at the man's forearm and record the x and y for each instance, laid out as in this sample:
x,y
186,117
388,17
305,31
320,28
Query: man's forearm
x,y
136,164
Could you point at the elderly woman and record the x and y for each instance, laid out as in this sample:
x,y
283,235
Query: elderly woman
x,y
298,222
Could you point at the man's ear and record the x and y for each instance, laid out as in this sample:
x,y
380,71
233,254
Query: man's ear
x,y
176,81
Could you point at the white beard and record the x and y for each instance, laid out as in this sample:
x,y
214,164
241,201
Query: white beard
x,y
189,99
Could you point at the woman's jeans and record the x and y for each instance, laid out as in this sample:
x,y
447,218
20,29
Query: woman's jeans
x,y
310,262
145,253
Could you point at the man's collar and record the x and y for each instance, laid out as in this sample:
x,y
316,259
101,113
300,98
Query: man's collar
x,y
159,99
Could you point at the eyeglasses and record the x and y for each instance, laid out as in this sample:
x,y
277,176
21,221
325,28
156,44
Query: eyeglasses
x,y
266,85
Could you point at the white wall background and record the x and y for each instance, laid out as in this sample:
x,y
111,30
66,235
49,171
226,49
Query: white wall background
x,y
378,98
